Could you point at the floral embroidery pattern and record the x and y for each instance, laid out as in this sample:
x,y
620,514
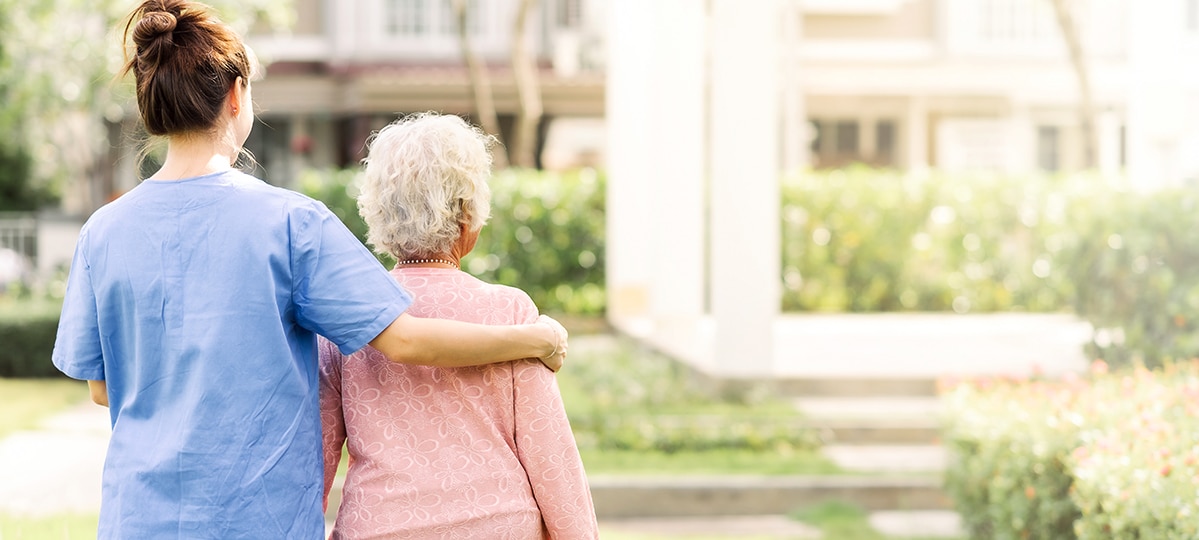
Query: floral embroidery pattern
x,y
482,452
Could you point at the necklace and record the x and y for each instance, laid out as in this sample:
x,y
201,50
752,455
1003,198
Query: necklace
x,y
423,261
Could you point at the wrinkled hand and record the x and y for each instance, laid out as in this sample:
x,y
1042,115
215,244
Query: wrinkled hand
x,y
555,359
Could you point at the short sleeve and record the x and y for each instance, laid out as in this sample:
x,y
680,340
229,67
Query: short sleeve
x,y
340,290
77,346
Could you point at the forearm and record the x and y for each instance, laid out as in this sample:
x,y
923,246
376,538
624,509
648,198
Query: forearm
x,y
446,343
99,392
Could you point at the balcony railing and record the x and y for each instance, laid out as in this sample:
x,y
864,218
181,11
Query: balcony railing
x,y
1029,28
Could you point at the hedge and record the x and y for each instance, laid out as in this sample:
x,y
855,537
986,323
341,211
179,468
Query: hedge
x,y
545,235
1110,457
864,240
27,330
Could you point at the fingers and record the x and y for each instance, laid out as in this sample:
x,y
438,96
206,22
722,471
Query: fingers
x,y
556,358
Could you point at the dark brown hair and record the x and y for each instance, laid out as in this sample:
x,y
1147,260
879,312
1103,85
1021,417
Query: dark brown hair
x,y
184,63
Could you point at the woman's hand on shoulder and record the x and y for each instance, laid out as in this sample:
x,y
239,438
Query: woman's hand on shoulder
x,y
556,358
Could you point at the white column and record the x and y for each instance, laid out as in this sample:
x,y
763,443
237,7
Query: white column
x,y
744,172
795,136
916,134
676,148
1107,128
1155,96
1021,150
630,128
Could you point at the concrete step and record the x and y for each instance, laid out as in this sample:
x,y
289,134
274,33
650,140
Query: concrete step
x,y
620,497
873,420
891,458
866,432
872,409
762,526
856,386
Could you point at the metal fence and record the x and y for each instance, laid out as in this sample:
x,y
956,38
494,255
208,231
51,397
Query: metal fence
x,y
18,232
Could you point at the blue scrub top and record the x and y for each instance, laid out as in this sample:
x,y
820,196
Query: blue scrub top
x,y
198,302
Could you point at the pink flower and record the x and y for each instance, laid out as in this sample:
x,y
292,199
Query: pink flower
x,y
1099,367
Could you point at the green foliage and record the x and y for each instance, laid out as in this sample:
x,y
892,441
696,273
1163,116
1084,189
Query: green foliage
x,y
1113,457
862,240
625,398
17,190
1136,254
339,191
58,60
1009,445
27,330
545,235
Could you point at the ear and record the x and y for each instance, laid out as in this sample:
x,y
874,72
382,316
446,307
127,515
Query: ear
x,y
235,96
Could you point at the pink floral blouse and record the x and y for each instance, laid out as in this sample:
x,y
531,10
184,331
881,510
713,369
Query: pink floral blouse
x,y
480,452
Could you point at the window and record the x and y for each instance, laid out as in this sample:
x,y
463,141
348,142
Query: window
x,y
1047,148
847,138
570,13
474,17
1192,20
406,17
884,142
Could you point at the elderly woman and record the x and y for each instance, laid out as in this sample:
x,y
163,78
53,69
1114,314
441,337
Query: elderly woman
x,y
446,453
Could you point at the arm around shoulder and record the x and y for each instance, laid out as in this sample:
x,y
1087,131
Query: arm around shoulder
x,y
446,343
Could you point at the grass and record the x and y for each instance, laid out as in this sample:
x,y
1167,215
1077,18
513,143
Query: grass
x,y
61,527
634,411
27,401
845,521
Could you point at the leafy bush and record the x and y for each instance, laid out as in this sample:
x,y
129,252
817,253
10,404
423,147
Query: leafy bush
x,y
862,240
1134,257
1113,457
27,330
865,240
545,235
1010,445
624,397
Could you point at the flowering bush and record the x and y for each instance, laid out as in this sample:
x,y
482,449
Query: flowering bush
x,y
1114,456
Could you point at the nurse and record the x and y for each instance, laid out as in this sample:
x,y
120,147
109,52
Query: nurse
x,y
194,302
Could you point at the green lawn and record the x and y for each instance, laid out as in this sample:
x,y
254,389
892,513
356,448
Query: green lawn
x,y
27,401
64,527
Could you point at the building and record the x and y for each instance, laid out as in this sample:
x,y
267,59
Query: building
x,y
989,84
346,69
707,101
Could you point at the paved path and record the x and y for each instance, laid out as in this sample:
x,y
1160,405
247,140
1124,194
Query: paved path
x,y
56,468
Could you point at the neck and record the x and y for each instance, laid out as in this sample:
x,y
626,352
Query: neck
x,y
188,157
434,261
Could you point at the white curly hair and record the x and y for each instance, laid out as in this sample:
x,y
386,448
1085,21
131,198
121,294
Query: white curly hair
x,y
425,174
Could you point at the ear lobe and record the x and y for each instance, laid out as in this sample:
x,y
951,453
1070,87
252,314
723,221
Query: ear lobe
x,y
235,100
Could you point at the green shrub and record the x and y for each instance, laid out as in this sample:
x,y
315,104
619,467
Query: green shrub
x,y
1134,257
545,235
628,398
27,330
862,240
1113,457
1009,445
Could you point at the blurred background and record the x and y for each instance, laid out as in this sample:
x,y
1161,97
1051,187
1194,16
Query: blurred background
x,y
782,232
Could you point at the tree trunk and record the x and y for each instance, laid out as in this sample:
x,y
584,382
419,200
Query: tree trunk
x,y
1070,32
528,91
480,85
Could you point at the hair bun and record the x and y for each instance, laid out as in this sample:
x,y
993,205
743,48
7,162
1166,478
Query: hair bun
x,y
154,26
